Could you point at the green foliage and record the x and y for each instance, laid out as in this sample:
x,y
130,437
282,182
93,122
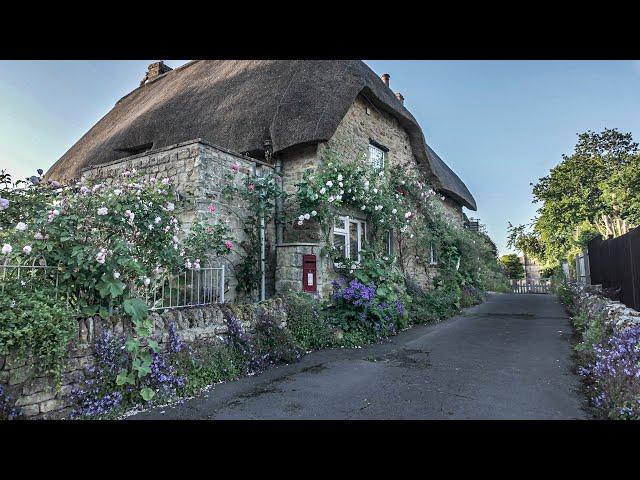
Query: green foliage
x,y
205,364
307,323
595,185
432,306
258,195
512,265
34,323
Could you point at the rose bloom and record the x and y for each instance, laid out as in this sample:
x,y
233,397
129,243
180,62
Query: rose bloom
x,y
102,211
212,208
26,249
251,187
228,244
21,226
235,167
6,249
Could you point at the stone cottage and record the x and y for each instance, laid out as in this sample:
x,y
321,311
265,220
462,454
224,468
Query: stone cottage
x,y
192,123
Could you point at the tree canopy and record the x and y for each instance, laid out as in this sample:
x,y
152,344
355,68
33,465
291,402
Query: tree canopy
x,y
592,191
512,266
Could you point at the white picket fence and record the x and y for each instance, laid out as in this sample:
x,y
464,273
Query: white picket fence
x,y
531,288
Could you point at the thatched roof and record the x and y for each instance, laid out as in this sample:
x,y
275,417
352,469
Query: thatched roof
x,y
239,104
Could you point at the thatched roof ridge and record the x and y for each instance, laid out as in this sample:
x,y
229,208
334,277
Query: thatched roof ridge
x,y
238,104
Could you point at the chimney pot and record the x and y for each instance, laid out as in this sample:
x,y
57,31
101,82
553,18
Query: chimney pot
x,y
385,78
400,97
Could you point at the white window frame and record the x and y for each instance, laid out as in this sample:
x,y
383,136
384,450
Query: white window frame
x,y
377,164
344,231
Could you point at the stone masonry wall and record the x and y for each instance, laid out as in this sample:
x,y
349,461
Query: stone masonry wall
x,y
197,170
38,397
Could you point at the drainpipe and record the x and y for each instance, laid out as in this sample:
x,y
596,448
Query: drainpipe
x,y
262,249
268,156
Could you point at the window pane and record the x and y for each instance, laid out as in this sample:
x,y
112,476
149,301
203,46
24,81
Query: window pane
x,y
376,157
340,242
353,240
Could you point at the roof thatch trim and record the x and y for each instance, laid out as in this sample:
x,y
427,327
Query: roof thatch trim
x,y
238,104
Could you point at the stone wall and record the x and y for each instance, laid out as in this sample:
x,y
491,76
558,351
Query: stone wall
x,y
589,300
38,397
197,169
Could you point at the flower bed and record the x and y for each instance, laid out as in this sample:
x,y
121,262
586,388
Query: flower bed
x,y
609,353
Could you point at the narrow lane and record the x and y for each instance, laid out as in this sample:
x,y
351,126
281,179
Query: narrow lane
x,y
508,358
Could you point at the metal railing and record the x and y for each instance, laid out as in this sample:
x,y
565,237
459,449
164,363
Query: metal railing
x,y
189,288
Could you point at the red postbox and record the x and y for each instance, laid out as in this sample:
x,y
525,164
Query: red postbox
x,y
309,273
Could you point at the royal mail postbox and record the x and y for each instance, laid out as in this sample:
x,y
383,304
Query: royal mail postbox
x,y
309,273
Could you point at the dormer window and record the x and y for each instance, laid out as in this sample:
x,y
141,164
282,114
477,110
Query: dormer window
x,y
377,155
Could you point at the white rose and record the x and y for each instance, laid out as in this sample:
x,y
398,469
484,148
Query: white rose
x,y
102,211
116,275
340,177
322,191
6,249
329,183
313,213
26,249
394,211
21,226
307,216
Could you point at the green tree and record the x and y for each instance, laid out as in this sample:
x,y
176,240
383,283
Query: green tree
x,y
512,266
591,189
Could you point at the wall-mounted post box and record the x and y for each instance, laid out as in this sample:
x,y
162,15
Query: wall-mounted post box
x,y
309,282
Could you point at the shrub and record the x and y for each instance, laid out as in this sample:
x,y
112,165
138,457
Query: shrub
x,y
273,342
34,323
307,322
615,375
101,396
358,309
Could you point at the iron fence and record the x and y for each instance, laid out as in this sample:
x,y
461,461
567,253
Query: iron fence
x,y
615,264
188,288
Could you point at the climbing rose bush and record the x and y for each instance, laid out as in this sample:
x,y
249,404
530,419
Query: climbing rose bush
x,y
107,241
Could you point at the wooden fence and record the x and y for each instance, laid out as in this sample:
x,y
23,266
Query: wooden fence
x,y
615,264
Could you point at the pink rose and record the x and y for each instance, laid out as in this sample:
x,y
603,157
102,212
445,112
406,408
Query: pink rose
x,y
228,244
212,208
235,167
251,187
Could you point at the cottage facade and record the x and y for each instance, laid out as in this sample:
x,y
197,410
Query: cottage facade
x,y
192,123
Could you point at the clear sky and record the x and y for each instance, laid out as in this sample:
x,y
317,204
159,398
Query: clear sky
x,y
499,125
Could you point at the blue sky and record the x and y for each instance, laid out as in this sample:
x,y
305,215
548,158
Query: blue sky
x,y
500,125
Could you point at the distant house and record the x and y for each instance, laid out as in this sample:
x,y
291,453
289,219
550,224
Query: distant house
x,y
193,122
532,270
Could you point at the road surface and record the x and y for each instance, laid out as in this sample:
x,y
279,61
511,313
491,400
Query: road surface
x,y
508,358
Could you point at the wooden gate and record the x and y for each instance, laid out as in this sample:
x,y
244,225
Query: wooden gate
x,y
531,288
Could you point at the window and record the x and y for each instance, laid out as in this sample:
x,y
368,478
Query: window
x,y
433,259
376,156
349,237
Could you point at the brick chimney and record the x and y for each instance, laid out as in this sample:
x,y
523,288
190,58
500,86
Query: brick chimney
x,y
385,78
400,97
155,70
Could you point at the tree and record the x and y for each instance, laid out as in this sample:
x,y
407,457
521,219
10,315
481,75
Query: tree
x,y
512,266
593,190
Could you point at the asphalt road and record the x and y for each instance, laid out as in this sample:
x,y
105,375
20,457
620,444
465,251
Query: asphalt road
x,y
508,358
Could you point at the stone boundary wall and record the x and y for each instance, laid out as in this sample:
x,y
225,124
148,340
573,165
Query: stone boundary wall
x,y
38,397
589,300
